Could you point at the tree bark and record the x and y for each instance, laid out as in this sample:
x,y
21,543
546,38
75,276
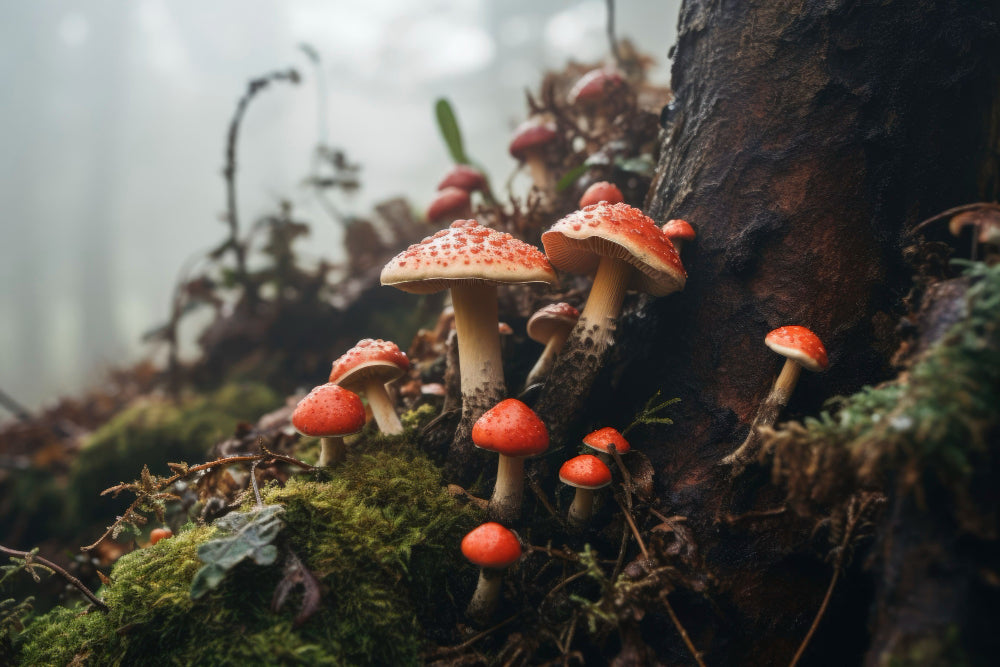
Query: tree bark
x,y
805,138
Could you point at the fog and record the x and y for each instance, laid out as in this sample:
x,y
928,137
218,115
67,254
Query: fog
x,y
112,131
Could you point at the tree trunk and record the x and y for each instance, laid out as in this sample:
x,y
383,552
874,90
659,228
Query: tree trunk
x,y
806,137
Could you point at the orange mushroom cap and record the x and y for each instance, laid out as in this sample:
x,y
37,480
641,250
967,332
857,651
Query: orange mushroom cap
x,y
601,191
603,437
799,344
491,546
464,177
549,319
329,410
585,472
511,428
678,229
158,534
369,358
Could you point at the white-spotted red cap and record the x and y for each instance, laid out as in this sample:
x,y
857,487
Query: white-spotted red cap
x,y
602,438
370,358
577,242
329,410
450,203
550,320
601,191
799,344
491,546
593,86
678,229
466,251
530,136
511,428
585,472
464,177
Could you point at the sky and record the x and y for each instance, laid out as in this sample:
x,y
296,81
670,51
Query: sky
x,y
112,131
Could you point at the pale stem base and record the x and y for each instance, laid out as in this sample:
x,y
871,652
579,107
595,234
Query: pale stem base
x,y
548,357
382,408
332,451
508,493
478,348
582,508
484,600
605,301
767,415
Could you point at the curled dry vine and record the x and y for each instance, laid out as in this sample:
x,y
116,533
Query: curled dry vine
x,y
30,561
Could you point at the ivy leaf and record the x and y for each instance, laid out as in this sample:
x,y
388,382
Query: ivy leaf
x,y
452,135
251,536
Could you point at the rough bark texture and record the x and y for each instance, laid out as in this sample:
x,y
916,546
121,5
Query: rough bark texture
x,y
805,138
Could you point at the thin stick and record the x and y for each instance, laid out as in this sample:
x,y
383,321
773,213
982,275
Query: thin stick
x,y
635,530
541,496
615,51
445,650
819,614
562,584
18,410
680,629
28,556
950,212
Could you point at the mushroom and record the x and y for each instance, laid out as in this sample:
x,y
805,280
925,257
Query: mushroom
x,y
493,548
530,143
602,439
586,473
678,231
549,326
450,204
471,260
624,249
330,412
601,191
366,369
592,89
158,534
464,177
801,349
513,431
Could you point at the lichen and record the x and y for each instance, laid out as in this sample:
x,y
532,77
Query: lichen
x,y
380,534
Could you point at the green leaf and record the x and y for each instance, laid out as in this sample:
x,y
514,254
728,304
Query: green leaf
x,y
452,135
570,177
251,536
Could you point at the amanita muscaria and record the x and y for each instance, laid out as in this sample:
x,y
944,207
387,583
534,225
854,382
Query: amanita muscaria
x,y
601,191
329,412
678,231
801,349
602,439
530,144
586,473
592,90
450,203
471,260
366,369
550,326
464,177
493,548
512,430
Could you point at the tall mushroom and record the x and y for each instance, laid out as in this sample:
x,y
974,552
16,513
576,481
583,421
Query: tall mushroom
x,y
549,326
586,473
601,191
493,548
471,260
366,369
626,251
530,144
514,431
329,412
801,349
678,231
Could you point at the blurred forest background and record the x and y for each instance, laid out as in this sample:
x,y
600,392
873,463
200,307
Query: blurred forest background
x,y
112,130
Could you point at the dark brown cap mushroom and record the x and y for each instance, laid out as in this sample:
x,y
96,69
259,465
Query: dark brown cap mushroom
x,y
450,204
464,177
530,143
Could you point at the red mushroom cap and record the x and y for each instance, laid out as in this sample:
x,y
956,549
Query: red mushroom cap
x,y
594,85
158,534
369,358
548,320
329,410
577,242
529,136
601,191
450,203
585,472
466,251
464,177
799,344
602,437
511,428
491,546
678,229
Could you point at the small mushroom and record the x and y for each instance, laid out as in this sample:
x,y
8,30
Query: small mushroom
x,y
450,204
801,349
591,92
602,439
678,231
329,412
586,473
532,140
493,548
601,191
549,326
514,431
464,177
366,369
158,534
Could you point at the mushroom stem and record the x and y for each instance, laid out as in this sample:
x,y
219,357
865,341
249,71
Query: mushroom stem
x,y
605,301
479,358
540,175
382,408
332,451
767,415
484,600
544,364
582,508
508,492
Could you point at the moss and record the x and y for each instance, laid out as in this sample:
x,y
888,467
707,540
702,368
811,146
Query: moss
x,y
381,536
153,432
943,648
